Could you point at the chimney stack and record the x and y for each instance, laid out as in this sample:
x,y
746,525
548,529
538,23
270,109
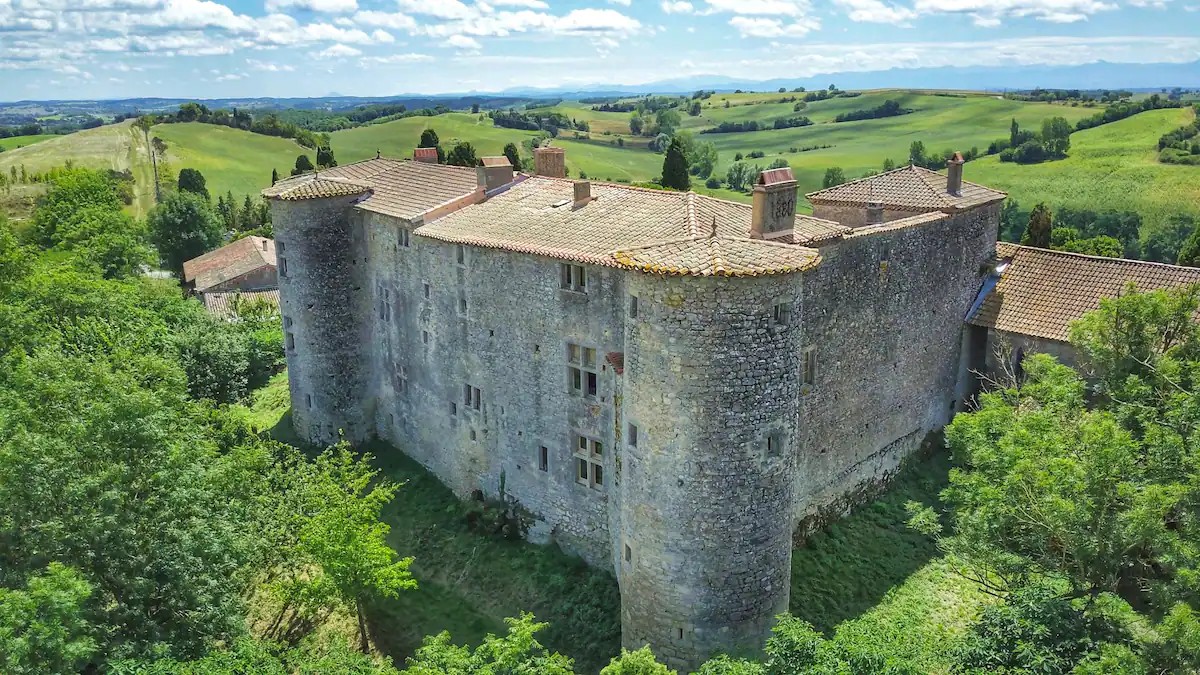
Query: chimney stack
x,y
583,192
550,162
494,172
264,244
774,203
427,155
874,213
954,167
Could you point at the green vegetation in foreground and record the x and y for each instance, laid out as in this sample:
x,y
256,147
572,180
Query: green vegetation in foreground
x,y
1113,166
14,142
468,582
231,160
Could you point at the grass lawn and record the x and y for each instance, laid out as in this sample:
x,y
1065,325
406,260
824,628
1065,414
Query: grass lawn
x,y
232,160
1113,166
14,142
866,572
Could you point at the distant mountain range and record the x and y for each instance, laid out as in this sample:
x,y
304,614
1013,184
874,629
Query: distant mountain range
x,y
1099,75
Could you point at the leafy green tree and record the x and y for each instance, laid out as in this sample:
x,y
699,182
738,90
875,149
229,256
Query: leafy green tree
x,y
635,123
1189,252
889,165
1038,231
514,155
429,139
303,165
639,662
216,359
1014,134
462,154
675,169
274,176
191,180
1164,243
325,157
42,628
517,652
725,665
834,176
182,227
1056,136
703,159
916,154
71,191
113,241
739,175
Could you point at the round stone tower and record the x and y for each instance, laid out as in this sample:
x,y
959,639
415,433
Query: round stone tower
x,y
704,533
322,291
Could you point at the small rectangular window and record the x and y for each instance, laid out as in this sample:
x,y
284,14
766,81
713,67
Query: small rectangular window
x,y
425,337
289,341
597,475
460,254
589,357
591,384
810,367
628,553
287,322
307,401
582,473
781,314
582,371
473,435
633,306
576,379
572,353
632,435
426,291
403,237
572,277
543,458
588,457
462,302
453,408
282,266
280,246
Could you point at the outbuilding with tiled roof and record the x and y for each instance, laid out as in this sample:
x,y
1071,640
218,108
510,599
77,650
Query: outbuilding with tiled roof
x,y
246,264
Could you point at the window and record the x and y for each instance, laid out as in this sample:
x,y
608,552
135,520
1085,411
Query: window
x,y
781,314
425,337
628,553
632,435
462,302
473,435
385,304
453,408
460,254
581,370
472,397
810,367
402,383
402,235
572,278
543,458
280,247
281,265
307,401
774,445
589,455
426,291
633,306
287,322
289,340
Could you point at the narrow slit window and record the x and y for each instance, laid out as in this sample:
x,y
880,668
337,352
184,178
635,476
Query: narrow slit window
x,y
632,435
289,340
628,553
282,266
460,254
633,306
543,458
427,291
810,367
403,238
307,401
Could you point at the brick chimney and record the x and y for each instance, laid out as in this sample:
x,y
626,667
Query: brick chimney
x,y
954,167
427,155
774,203
550,162
874,213
583,192
494,172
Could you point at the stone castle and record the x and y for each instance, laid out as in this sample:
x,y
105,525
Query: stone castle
x,y
669,383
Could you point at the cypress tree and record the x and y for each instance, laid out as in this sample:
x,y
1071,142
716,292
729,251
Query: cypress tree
x,y
1037,233
675,167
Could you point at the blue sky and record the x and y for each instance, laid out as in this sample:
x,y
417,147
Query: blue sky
x,y
211,48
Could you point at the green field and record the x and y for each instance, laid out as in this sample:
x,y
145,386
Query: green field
x,y
865,572
231,160
1113,166
399,137
14,142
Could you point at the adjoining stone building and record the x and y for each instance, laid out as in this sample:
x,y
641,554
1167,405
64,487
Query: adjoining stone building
x,y
667,382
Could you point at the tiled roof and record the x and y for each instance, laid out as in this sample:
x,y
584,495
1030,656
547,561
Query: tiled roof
x,y
222,305
425,153
1041,292
672,232
400,188
313,186
228,262
909,188
495,161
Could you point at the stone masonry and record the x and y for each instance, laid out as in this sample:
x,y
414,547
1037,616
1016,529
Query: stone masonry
x,y
668,383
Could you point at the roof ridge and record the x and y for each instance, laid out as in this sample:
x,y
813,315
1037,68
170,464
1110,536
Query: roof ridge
x,y
923,174
860,180
689,199
1100,258
715,259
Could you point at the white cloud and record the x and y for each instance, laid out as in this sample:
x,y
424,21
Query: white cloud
x,y
229,77
760,7
772,28
442,9
322,6
392,20
677,7
875,11
268,67
463,42
338,51
530,4
394,58
990,13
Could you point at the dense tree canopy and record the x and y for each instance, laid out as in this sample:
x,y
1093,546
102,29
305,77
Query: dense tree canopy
x,y
182,227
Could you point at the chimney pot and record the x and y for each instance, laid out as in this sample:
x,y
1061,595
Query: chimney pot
x,y
583,192
264,244
874,213
550,162
954,173
774,203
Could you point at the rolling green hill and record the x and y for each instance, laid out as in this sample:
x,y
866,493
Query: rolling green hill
x,y
399,137
1113,166
231,160
14,142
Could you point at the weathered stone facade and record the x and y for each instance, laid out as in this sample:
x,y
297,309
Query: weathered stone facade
x,y
672,428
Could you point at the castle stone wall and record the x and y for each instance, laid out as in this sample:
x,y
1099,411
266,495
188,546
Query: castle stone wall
x,y
884,317
326,317
707,507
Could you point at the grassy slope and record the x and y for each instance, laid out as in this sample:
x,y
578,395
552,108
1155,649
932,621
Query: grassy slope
x,y
14,142
105,147
1114,166
231,160
867,572
399,137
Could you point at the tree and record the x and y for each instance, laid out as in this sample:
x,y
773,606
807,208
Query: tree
x,y
1014,134
182,227
1037,232
888,164
1056,136
462,154
325,157
191,180
429,139
514,155
1189,251
639,662
303,164
834,176
109,239
703,159
635,123
517,652
42,628
916,154
274,176
668,120
739,176
675,169
72,190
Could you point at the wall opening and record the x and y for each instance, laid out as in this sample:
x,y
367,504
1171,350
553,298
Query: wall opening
x,y
543,458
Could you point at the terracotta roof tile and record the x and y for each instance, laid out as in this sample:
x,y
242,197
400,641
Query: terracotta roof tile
x,y
1041,292
776,176
425,153
313,186
495,161
909,188
646,227
616,360
222,305
228,262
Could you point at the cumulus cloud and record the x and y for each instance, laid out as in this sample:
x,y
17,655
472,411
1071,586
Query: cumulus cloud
x,y
268,67
760,7
677,7
338,51
990,13
463,42
323,6
875,11
772,28
392,20
394,58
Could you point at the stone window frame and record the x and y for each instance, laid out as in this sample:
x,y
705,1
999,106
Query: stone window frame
x,y
808,368
427,289
773,444
385,304
472,397
572,278
628,557
402,379
543,458
781,314
633,306
588,453
583,375
460,254
631,434
453,409
404,237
